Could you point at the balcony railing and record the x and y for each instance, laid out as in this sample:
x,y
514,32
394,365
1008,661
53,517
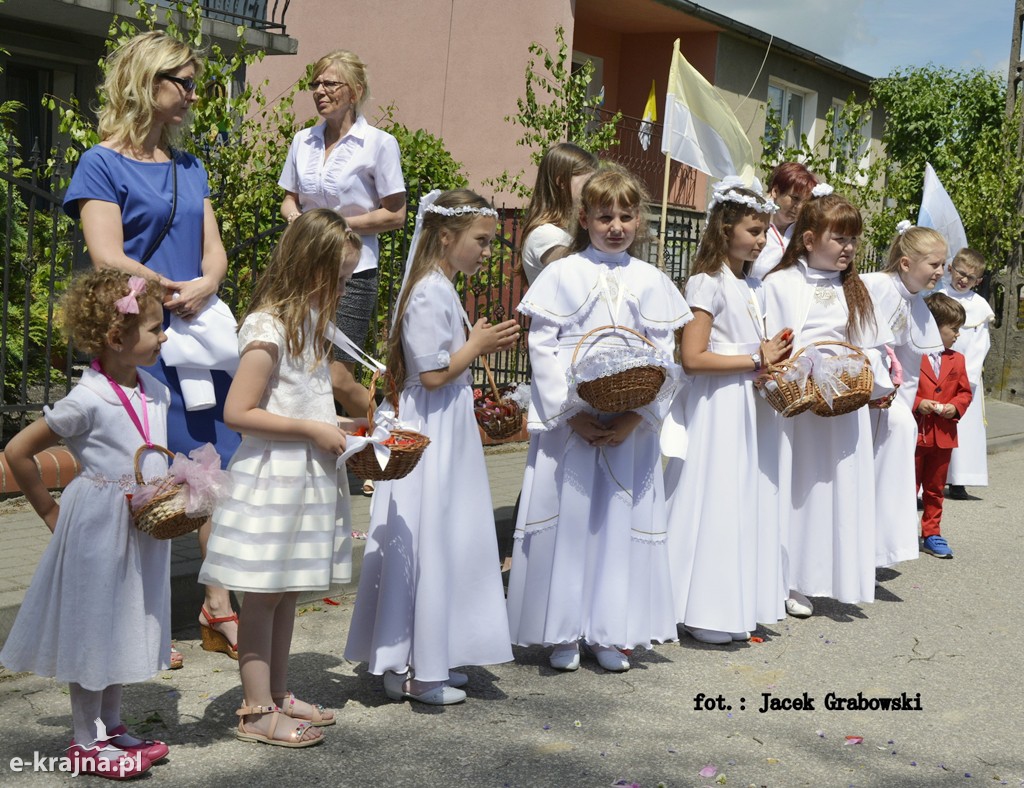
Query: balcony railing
x,y
265,15
649,165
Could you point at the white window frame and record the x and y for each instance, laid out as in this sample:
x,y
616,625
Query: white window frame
x,y
865,131
808,114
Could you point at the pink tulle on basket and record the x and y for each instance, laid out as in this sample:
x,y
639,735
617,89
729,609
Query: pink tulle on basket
x,y
203,483
895,367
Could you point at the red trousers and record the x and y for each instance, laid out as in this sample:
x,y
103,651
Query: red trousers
x,y
931,464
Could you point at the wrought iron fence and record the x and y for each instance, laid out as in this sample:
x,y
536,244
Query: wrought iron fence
x,y
40,247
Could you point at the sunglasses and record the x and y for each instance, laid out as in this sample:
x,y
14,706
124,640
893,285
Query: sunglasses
x,y
188,84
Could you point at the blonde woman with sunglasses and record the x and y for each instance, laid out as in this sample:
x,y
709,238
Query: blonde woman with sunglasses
x,y
145,209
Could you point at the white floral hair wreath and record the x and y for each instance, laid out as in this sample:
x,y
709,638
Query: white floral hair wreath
x,y
725,191
902,227
822,190
461,210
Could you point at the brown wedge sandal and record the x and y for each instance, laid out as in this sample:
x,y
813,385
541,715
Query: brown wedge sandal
x,y
294,737
214,639
317,718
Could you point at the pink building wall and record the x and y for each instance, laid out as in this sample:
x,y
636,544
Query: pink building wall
x,y
452,67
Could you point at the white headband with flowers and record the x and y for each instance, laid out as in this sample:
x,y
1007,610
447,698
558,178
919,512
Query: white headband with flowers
x,y
822,190
725,191
461,210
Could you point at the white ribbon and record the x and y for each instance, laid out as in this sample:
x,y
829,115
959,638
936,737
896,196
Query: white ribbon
x,y
828,371
385,421
337,336
426,201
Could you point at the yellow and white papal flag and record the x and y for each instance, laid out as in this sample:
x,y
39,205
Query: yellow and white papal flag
x,y
649,119
700,128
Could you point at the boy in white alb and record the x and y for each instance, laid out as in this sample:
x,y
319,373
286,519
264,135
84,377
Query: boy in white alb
x,y
969,464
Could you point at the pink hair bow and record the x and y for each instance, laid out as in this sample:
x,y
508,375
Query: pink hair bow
x,y
129,305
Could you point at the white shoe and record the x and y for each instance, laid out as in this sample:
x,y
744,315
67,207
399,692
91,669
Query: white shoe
x,y
610,658
565,656
712,636
439,695
740,637
798,605
457,679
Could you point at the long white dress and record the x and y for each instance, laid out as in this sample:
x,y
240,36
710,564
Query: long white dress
x,y
286,526
723,545
968,466
98,610
894,429
826,467
430,593
589,558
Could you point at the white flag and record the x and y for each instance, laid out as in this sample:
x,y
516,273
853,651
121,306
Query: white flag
x,y
937,211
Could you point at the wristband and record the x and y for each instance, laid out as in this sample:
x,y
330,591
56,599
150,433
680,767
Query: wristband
x,y
756,358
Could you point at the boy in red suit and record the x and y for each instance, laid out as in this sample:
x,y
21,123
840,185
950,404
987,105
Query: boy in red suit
x,y
943,394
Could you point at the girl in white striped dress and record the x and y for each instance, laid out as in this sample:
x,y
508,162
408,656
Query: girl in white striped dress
x,y
285,527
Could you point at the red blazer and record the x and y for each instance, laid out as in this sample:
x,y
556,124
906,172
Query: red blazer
x,y
952,386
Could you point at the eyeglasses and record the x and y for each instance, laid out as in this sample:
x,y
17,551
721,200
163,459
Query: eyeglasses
x,y
328,85
188,84
964,275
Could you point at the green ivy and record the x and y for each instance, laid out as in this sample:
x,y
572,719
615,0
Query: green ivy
x,y
957,121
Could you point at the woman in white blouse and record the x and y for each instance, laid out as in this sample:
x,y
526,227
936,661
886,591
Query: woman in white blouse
x,y
348,165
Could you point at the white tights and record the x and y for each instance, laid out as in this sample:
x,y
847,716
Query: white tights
x,y
89,705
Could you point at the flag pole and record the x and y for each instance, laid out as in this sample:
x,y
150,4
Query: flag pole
x,y
666,133
664,213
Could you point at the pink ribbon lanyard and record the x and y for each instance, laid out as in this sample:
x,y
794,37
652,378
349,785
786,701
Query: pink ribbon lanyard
x,y
143,426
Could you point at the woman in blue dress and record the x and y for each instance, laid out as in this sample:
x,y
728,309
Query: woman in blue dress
x,y
145,208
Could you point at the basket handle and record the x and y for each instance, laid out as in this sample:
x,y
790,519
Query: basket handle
x,y
138,455
490,379
854,348
605,328
392,395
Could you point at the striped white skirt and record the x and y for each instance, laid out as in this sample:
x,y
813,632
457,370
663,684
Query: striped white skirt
x,y
286,525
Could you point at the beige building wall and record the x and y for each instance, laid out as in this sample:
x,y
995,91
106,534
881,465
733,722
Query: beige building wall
x,y
452,67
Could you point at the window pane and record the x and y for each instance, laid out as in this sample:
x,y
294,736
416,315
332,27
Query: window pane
x,y
795,113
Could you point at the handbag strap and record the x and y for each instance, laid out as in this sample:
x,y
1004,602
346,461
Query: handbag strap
x,y
174,207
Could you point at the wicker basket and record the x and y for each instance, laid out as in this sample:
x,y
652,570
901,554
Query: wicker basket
x,y
622,391
404,455
163,516
883,403
788,397
500,418
860,386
